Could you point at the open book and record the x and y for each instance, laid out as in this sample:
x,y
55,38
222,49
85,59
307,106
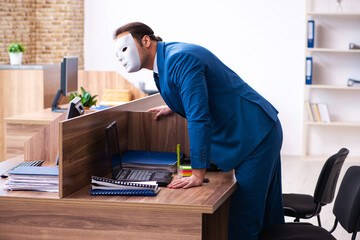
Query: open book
x,y
106,186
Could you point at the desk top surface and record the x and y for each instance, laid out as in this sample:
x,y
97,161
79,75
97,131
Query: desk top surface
x,y
205,199
43,117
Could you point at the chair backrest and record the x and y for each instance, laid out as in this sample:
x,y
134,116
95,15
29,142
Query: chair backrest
x,y
347,204
326,184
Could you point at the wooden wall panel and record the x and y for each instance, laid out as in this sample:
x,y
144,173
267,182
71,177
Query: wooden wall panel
x,y
2,123
23,91
162,135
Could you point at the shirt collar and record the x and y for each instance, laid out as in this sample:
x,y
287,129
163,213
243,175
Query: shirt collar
x,y
155,67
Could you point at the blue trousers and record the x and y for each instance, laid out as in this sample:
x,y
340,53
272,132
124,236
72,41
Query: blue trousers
x,y
257,201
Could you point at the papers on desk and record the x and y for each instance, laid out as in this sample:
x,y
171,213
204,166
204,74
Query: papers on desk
x,y
44,179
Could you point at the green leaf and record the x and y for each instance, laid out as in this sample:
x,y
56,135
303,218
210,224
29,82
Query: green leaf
x,y
86,99
16,48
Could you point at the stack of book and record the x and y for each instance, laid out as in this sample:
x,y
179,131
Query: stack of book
x,y
44,179
318,112
106,186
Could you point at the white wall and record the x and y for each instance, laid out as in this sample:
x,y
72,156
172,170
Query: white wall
x,y
263,41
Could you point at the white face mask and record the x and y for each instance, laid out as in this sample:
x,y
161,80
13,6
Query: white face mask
x,y
127,53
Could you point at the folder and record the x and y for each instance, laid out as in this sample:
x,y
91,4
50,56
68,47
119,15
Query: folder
x,y
309,70
310,33
35,171
150,160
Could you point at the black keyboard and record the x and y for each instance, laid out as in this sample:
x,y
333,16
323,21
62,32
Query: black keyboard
x,y
140,175
23,164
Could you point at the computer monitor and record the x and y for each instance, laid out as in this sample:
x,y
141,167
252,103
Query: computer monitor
x,y
68,83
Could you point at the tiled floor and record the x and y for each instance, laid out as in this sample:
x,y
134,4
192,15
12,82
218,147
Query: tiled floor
x,y
300,176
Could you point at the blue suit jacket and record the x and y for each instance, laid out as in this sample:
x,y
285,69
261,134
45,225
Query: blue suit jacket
x,y
227,119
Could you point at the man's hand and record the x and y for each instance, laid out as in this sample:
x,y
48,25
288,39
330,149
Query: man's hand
x,y
161,111
196,179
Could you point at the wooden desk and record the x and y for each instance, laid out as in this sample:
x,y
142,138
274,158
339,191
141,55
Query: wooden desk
x,y
196,213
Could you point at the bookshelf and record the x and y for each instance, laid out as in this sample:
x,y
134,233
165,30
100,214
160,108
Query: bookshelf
x,y
333,63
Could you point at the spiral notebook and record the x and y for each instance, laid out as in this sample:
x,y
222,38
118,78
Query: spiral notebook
x,y
105,186
124,192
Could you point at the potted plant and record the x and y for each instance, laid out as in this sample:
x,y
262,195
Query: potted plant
x,y
86,99
15,53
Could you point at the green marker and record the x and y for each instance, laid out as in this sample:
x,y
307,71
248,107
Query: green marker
x,y
178,154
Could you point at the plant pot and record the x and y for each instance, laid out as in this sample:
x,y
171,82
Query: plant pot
x,y
15,58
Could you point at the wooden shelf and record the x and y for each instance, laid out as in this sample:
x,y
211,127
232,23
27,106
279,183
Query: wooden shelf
x,y
332,50
332,87
335,124
327,14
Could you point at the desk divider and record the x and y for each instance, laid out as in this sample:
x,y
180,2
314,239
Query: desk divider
x,y
82,140
45,144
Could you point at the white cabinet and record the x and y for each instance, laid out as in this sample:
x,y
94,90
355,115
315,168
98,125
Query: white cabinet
x,y
333,63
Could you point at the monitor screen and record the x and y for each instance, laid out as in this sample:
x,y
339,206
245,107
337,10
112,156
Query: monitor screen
x,y
68,81
112,139
69,75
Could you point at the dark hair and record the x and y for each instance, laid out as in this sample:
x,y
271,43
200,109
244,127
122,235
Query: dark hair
x,y
138,30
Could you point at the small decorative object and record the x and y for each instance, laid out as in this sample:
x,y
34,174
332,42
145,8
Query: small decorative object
x,y
354,46
339,7
86,99
15,53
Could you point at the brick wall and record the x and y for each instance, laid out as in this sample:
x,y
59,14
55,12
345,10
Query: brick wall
x,y
48,29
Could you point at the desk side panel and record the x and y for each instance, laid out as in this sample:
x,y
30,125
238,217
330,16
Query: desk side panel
x,y
83,149
60,219
44,145
16,136
83,143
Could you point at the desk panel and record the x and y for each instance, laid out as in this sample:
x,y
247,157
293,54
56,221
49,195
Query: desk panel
x,y
46,219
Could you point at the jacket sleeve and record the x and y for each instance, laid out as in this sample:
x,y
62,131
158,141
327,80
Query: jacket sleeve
x,y
188,75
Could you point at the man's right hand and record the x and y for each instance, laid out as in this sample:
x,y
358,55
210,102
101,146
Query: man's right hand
x,y
161,111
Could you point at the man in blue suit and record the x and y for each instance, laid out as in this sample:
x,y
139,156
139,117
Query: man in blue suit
x,y
228,121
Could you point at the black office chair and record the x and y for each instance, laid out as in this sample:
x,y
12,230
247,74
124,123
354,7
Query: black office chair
x,y
346,210
306,206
